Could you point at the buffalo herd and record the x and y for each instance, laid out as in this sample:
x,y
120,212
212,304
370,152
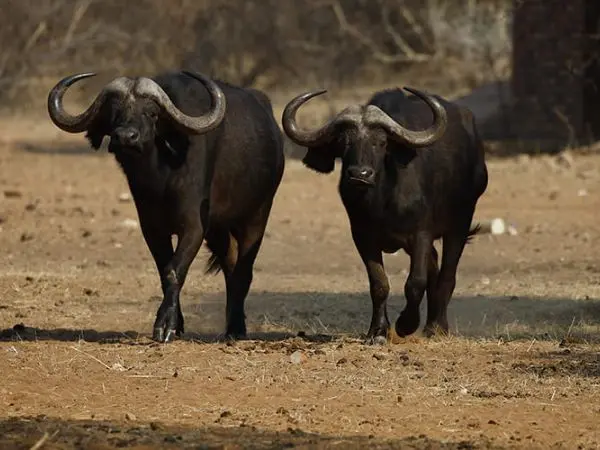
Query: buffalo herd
x,y
204,160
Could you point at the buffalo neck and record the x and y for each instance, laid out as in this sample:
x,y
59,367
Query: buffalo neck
x,y
147,172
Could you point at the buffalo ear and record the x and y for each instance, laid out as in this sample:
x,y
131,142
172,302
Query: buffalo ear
x,y
95,134
320,159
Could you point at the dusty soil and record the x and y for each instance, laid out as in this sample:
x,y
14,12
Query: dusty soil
x,y
78,294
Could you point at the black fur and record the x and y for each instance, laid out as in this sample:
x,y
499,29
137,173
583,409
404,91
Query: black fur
x,y
416,197
217,187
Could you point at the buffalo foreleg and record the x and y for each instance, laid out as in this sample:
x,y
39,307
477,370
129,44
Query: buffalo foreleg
x,y
416,284
169,319
379,285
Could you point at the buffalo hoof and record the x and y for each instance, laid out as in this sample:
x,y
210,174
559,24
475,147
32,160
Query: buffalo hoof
x,y
236,329
408,322
376,340
377,334
229,338
168,325
235,335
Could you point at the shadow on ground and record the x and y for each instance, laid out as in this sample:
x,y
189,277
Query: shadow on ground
x,y
292,151
23,333
506,317
25,433
58,148
277,316
571,359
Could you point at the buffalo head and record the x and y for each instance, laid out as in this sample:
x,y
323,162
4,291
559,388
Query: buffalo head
x,y
359,136
128,110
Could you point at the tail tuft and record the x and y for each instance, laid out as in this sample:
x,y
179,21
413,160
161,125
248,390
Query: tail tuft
x,y
476,229
213,266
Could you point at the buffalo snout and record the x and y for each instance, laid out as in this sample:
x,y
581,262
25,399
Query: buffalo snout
x,y
127,136
361,175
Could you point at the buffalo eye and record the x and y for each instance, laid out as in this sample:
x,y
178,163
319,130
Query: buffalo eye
x,y
379,143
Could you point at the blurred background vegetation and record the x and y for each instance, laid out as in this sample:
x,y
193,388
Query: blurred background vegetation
x,y
276,45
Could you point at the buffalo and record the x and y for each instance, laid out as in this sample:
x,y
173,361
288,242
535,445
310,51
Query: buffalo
x,y
412,171
203,160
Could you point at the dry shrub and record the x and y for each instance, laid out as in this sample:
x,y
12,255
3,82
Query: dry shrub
x,y
271,44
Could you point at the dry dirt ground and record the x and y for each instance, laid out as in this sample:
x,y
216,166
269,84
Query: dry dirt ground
x,y
78,295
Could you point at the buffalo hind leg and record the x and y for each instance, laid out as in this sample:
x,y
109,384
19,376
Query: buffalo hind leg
x,y
379,285
432,279
169,319
453,245
249,239
416,284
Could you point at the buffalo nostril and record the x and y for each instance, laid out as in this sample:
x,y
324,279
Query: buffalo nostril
x,y
132,136
361,174
366,172
129,136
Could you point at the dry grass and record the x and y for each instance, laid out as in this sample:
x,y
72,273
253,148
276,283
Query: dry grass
x,y
520,369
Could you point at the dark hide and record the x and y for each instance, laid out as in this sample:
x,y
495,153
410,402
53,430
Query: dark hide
x,y
217,187
414,197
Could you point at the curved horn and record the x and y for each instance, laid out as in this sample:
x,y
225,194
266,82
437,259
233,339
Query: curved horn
x,y
410,137
79,123
193,125
308,138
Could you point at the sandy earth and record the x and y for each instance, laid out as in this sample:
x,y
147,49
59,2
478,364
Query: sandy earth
x,y
78,295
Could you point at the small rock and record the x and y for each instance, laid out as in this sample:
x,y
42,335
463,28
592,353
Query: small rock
x,y
86,233
118,367
379,340
341,361
297,357
582,193
124,197
379,356
130,223
512,230
495,226
12,193
26,237
485,281
492,422
129,416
